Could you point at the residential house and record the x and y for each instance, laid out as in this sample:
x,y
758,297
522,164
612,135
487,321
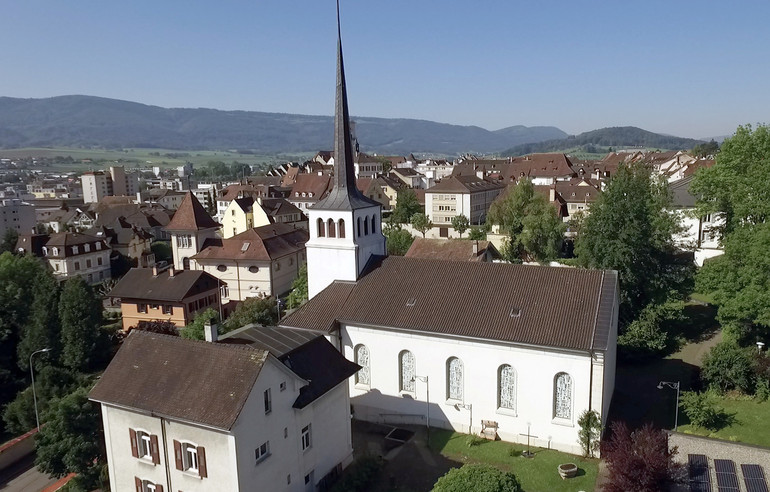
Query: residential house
x,y
70,254
309,189
470,196
262,261
128,240
578,194
248,212
700,233
199,416
16,215
116,182
189,228
411,178
147,294
453,249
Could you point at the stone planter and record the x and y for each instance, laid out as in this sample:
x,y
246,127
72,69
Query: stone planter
x,y
567,470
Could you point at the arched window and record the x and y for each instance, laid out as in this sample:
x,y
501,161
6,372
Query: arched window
x,y
454,378
374,224
362,359
321,229
406,370
506,387
185,263
330,227
56,251
341,227
366,225
562,396
359,227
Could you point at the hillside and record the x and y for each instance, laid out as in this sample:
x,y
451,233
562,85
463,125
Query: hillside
x,y
86,121
617,137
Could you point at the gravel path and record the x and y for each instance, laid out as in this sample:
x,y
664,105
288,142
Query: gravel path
x,y
716,449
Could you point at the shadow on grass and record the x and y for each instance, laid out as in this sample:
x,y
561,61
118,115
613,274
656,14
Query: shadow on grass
x,y
699,324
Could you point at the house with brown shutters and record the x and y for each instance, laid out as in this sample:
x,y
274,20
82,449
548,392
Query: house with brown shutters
x,y
201,416
147,294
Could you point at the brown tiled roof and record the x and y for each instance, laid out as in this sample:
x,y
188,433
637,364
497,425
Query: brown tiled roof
x,y
693,167
259,244
311,183
140,283
65,241
191,216
450,249
584,191
189,380
363,184
463,184
494,301
420,194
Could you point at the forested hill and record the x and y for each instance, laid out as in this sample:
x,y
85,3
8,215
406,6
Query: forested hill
x,y
75,121
619,136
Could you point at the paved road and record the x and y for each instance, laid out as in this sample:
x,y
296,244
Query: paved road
x,y
24,477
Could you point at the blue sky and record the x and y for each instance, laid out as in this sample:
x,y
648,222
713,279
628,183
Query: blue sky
x,y
694,69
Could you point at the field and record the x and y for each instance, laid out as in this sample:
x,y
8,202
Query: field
x,y
751,426
144,158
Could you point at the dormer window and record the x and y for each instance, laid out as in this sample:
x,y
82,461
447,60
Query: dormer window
x,y
98,246
56,251
86,248
74,250
45,251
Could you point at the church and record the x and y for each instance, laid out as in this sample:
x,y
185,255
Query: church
x,y
514,352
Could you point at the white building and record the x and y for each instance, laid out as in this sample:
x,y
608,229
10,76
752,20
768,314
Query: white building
x,y
247,417
700,233
70,254
116,182
470,196
16,215
189,228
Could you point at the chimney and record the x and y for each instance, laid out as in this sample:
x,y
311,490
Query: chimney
x,y
171,272
475,248
552,193
155,270
210,332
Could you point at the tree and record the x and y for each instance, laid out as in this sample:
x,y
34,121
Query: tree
x,y
406,206
43,329
258,310
590,432
532,225
80,312
397,240
460,223
630,230
651,333
477,234
50,382
706,149
162,251
478,478
194,330
640,460
9,241
421,223
72,440
727,366
298,293
702,410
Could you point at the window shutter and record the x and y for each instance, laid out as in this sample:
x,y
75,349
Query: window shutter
x,y
138,483
134,447
154,449
202,462
178,455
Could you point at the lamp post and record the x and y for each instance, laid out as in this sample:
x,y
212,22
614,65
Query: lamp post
x,y
32,374
424,379
675,386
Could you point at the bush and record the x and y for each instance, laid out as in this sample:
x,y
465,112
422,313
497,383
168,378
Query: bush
x,y
651,333
473,440
703,412
477,478
728,366
359,476
590,432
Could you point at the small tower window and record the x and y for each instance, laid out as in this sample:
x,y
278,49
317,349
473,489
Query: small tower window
x,y
374,224
321,228
359,227
332,232
366,226
341,227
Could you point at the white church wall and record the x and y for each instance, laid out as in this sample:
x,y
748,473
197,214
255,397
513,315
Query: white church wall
x,y
535,369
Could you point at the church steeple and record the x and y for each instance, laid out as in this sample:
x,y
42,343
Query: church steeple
x,y
344,195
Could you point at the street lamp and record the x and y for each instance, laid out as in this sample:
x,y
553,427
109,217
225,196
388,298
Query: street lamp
x,y
676,387
424,379
32,374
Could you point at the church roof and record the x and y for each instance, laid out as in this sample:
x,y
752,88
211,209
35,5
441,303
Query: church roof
x,y
534,305
191,216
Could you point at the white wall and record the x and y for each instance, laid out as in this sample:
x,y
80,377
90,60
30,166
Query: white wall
x,y
535,370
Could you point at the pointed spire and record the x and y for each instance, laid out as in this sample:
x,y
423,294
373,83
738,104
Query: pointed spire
x,y
344,195
191,216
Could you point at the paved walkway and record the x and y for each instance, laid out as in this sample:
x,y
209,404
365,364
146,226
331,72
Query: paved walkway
x,y
717,449
24,477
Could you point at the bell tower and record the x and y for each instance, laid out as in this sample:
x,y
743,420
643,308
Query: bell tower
x,y
345,226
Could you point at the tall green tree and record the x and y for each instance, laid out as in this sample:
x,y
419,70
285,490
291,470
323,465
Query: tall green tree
x,y
80,312
9,241
421,223
460,223
631,230
532,225
259,310
194,330
72,440
735,188
298,293
397,239
406,206
43,329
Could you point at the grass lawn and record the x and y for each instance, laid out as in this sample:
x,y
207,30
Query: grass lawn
x,y
752,425
538,474
700,297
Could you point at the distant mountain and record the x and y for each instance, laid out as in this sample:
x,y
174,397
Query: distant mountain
x,y
86,121
619,136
